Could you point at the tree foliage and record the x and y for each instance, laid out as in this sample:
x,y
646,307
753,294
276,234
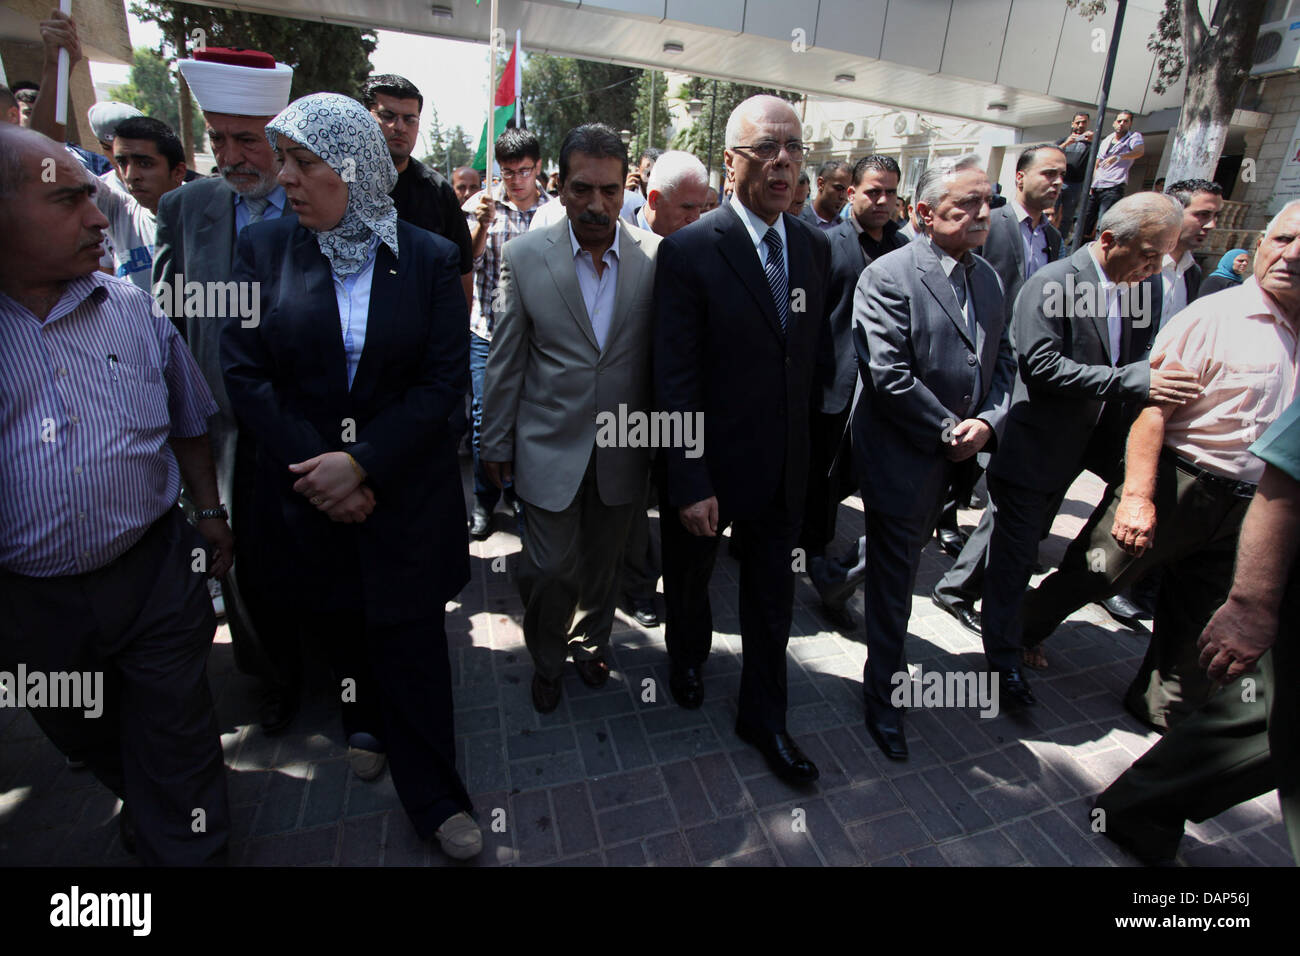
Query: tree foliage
x,y
152,90
695,138
448,148
324,56
561,93
641,138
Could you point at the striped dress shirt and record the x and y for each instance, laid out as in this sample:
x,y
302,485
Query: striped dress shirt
x,y
91,397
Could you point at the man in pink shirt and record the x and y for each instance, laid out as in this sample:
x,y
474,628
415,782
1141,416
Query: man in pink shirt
x,y
1189,476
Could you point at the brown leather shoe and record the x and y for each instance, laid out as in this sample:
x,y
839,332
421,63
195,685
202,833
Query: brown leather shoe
x,y
546,693
593,671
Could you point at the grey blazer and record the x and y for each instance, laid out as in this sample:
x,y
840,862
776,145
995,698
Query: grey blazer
x,y
1005,251
547,381
920,368
1066,375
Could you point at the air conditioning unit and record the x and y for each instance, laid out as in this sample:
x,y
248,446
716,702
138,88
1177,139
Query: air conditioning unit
x,y
909,124
1277,48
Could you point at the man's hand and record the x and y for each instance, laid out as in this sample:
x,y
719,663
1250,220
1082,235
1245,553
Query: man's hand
x,y
1235,639
701,518
326,479
500,473
1135,524
1172,387
354,508
60,31
486,210
216,532
967,439
633,183
1108,161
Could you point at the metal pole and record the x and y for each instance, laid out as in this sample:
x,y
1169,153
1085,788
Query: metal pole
x,y
1077,239
713,109
650,137
490,146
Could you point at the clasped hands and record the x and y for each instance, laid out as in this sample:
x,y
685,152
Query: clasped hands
x,y
334,484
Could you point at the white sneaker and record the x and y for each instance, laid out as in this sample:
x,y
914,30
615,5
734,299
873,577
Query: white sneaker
x,y
460,836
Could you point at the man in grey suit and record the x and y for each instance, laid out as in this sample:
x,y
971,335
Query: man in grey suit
x,y
1076,332
573,335
1020,242
198,224
931,338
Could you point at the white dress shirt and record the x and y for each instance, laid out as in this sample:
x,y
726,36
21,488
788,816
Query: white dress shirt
x,y
758,229
598,291
353,296
1173,281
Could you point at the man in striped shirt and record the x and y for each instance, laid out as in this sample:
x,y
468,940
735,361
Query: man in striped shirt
x,y
102,580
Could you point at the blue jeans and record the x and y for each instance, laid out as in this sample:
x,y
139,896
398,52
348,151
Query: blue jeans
x,y
485,493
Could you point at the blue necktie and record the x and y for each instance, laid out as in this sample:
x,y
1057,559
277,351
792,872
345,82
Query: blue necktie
x,y
776,277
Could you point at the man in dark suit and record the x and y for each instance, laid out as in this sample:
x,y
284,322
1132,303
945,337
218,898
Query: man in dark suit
x,y
740,302
868,233
1074,333
931,340
1020,242
198,225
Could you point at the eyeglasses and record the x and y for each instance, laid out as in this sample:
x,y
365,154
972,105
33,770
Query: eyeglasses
x,y
388,118
769,149
524,172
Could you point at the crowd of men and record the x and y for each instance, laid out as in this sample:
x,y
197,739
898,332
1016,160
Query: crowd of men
x,y
778,353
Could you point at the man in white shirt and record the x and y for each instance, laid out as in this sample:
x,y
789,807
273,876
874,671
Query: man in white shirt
x,y
1179,281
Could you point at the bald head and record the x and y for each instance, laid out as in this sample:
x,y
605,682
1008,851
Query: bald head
x,y
764,184
46,192
1135,235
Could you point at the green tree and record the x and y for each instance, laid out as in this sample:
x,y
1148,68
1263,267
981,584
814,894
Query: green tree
x,y
695,138
561,93
152,90
448,148
642,113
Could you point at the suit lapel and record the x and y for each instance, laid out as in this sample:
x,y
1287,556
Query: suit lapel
x,y
1012,223
1101,313
216,233
385,284
934,279
319,301
738,249
559,260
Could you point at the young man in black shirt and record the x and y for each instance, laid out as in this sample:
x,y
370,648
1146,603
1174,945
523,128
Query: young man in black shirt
x,y
1076,147
422,195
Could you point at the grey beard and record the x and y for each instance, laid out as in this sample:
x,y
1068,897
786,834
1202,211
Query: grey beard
x,y
259,190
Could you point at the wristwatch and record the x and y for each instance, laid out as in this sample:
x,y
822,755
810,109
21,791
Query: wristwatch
x,y
217,512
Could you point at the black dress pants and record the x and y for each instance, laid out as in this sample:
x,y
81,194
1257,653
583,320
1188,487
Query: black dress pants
x,y
144,622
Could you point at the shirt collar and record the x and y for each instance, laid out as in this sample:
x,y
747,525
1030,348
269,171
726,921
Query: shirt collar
x,y
1101,273
1254,301
613,248
275,198
1022,214
757,227
946,260
1178,268
641,220
503,198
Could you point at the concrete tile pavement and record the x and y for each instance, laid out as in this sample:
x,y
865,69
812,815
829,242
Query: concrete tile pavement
x,y
622,776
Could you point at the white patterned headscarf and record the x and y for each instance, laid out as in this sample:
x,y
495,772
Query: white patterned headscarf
x,y
348,139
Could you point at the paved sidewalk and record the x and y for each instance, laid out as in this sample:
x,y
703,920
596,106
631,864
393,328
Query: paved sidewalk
x,y
625,777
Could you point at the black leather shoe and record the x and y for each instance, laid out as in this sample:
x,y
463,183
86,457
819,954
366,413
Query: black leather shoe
x,y
277,710
687,686
885,725
594,672
1155,844
546,693
950,542
126,829
968,617
480,523
643,611
1015,689
840,618
1122,610
783,755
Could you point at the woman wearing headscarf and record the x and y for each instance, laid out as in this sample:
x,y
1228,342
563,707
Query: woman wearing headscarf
x,y
1231,271
346,378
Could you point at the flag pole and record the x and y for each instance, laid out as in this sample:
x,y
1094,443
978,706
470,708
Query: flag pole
x,y
490,129
61,87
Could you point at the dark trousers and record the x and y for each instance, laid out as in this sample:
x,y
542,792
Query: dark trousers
x,y
965,476
766,604
826,435
1018,517
641,556
1069,204
569,573
894,546
395,684
1197,523
145,623
1099,200
1236,746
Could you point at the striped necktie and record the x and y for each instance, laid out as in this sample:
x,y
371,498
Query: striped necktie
x,y
256,208
776,278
